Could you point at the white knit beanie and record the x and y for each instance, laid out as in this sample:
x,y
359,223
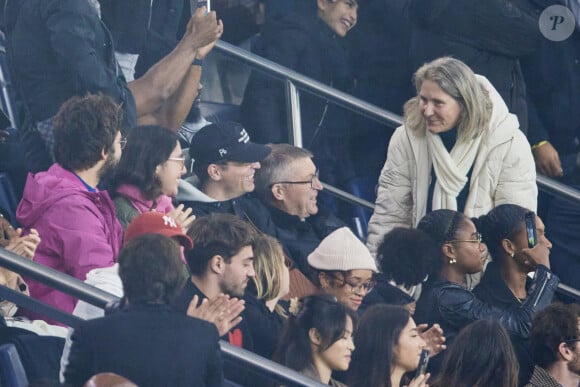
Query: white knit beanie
x,y
342,250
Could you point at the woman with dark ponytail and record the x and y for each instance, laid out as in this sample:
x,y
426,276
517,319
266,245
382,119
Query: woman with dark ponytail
x,y
505,283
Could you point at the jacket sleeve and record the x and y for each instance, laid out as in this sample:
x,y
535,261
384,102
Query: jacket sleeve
x,y
394,204
460,307
78,369
81,238
515,23
517,179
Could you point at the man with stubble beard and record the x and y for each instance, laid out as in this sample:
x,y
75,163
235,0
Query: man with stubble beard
x,y
76,220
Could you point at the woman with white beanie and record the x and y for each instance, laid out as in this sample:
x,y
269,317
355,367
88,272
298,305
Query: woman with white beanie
x,y
345,267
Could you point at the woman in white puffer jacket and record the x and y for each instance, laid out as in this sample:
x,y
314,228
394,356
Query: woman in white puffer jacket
x,y
459,149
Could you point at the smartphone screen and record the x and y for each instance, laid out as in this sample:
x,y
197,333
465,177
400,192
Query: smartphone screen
x,y
195,4
423,361
530,219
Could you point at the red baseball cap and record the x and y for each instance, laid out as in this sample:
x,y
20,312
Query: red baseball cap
x,y
157,223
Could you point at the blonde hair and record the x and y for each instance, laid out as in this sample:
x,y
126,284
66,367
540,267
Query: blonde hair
x,y
456,79
269,266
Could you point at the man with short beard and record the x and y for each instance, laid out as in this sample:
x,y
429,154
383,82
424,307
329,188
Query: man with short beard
x,y
555,342
76,220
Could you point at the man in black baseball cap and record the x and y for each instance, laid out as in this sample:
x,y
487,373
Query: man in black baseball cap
x,y
225,161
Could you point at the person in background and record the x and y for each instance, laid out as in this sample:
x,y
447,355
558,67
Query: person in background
x,y
318,338
310,40
287,183
264,312
388,346
221,265
481,356
74,55
445,298
148,342
505,283
345,267
225,161
459,149
77,220
148,175
404,254
555,342
23,245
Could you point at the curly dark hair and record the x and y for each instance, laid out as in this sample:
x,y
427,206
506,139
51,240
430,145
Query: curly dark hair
x,y
556,324
147,147
407,256
83,128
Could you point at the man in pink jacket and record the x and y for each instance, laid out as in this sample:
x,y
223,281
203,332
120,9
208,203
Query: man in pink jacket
x,y
76,221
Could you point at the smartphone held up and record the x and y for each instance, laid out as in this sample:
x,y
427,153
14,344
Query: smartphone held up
x,y
195,4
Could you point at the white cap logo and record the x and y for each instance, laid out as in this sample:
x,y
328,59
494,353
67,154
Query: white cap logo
x,y
222,152
244,137
168,221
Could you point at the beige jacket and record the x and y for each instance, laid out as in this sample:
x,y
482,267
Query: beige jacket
x,y
503,172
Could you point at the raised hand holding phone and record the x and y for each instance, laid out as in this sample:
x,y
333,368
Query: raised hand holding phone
x,y
195,4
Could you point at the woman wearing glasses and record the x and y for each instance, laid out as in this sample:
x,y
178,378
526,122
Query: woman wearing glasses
x,y
445,298
344,266
148,175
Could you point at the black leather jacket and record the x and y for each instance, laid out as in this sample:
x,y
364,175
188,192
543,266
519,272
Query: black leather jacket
x,y
453,306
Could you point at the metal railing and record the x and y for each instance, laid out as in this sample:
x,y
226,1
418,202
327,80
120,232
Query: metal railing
x,y
102,299
296,82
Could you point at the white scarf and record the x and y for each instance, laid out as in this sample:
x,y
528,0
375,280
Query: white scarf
x,y
450,169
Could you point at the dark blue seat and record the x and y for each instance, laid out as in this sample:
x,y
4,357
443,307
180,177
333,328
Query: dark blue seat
x,y
11,370
219,112
8,200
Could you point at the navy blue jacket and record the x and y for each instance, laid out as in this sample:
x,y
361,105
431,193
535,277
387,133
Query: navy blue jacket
x,y
58,49
151,345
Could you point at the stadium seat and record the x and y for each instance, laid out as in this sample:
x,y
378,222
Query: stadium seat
x,y
8,200
11,370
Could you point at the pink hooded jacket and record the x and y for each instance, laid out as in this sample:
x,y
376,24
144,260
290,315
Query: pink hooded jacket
x,y
79,229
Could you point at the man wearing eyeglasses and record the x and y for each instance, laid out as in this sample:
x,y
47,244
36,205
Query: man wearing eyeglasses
x,y
288,184
75,219
225,161
556,347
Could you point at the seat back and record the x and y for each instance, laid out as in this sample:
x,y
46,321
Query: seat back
x,y
8,200
11,370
